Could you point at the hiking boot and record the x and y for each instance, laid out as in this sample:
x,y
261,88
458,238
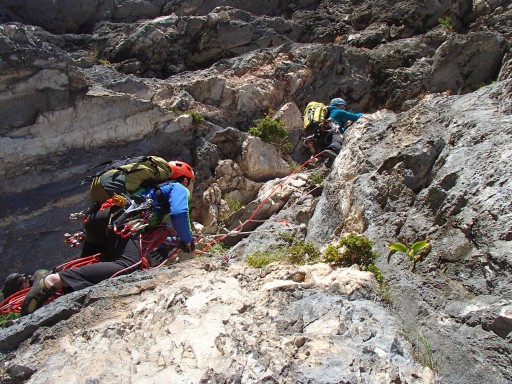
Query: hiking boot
x,y
36,297
331,155
40,274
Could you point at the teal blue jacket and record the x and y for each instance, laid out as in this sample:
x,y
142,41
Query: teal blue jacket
x,y
340,116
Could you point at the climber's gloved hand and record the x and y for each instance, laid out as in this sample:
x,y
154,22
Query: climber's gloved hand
x,y
188,247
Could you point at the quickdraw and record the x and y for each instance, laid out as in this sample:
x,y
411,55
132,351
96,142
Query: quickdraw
x,y
75,239
134,218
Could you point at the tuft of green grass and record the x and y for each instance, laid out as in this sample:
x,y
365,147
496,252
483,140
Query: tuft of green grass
x,y
261,259
197,118
316,178
273,132
423,352
384,292
96,57
352,249
295,251
233,205
302,253
218,249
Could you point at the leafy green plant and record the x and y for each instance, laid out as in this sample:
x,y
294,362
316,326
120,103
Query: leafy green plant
x,y
377,273
96,57
415,252
217,249
197,118
292,164
273,132
4,318
446,22
302,253
297,251
354,249
316,178
384,292
480,85
233,206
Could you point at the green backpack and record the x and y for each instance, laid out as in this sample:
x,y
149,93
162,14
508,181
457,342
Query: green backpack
x,y
126,175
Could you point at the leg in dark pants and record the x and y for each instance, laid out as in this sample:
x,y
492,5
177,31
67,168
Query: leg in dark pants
x,y
125,254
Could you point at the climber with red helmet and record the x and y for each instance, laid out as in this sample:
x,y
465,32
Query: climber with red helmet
x,y
121,252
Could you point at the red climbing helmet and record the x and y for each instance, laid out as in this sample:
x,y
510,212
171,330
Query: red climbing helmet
x,y
179,169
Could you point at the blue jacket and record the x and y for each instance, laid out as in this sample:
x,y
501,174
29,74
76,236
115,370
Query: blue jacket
x,y
340,116
178,196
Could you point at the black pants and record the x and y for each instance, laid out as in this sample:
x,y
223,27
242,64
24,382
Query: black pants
x,y
329,140
122,254
118,253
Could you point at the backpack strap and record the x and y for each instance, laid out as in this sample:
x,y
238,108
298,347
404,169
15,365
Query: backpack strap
x,y
162,203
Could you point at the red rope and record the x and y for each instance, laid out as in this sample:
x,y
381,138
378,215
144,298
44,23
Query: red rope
x,y
263,202
14,302
78,262
147,242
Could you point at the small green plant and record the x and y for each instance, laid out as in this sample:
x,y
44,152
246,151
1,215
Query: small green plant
x,y
415,252
273,132
384,292
217,249
377,273
302,253
316,178
197,118
446,22
480,85
295,252
173,108
293,164
4,318
354,249
233,206
96,57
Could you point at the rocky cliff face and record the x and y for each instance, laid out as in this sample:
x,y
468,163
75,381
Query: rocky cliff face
x,y
83,82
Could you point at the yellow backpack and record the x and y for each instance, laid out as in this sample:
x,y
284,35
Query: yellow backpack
x,y
314,115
